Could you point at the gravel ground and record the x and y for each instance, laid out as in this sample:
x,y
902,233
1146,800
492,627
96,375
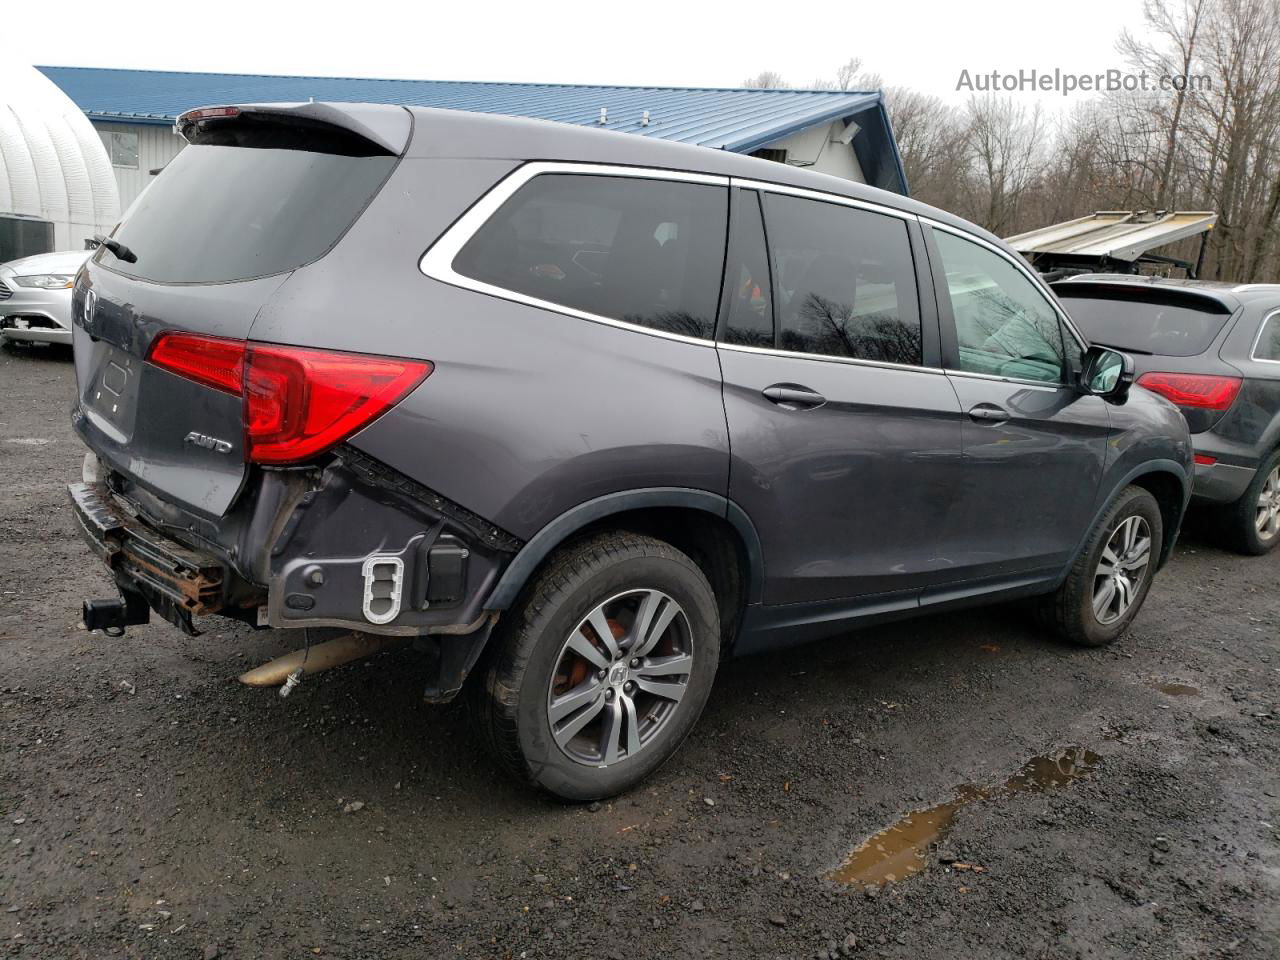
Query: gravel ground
x,y
154,807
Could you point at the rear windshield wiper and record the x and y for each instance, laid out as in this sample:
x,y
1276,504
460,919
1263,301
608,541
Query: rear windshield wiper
x,y
115,246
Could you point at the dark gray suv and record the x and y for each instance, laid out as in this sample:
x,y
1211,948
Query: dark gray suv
x,y
581,414
1213,349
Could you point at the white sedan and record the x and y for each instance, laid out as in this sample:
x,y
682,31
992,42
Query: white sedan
x,y
35,297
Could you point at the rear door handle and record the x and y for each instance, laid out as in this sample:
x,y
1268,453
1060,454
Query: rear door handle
x,y
988,413
793,395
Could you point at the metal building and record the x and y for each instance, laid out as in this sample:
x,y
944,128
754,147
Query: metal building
x,y
844,133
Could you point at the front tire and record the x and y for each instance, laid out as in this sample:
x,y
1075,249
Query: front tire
x,y
602,667
1253,521
1109,581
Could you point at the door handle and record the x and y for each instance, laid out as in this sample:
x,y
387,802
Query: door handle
x,y
793,395
988,413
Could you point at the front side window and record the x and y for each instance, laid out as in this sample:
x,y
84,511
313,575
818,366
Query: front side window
x,y
648,252
122,146
1269,340
844,281
1005,326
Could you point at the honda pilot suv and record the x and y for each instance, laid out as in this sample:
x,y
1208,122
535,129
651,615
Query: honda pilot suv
x,y
581,414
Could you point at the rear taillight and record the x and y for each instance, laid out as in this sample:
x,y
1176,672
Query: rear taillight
x,y
209,113
301,402
212,361
1200,392
297,402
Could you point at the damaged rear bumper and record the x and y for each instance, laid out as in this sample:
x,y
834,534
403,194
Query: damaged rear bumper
x,y
176,581
353,546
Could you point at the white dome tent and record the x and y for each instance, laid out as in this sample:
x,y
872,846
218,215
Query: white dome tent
x,y
57,188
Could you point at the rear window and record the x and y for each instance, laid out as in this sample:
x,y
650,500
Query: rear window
x,y
1170,328
844,281
648,252
1268,347
220,213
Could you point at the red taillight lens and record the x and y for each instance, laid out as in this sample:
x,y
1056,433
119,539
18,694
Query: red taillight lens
x,y
212,361
1193,390
301,402
297,402
209,113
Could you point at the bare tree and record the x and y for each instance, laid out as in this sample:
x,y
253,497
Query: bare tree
x,y
1170,53
930,138
766,80
1203,134
850,76
1005,143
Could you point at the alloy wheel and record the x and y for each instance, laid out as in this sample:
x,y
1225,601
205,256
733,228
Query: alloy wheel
x,y
1121,568
1267,520
620,677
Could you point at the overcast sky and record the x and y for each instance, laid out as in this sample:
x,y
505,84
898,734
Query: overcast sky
x,y
912,42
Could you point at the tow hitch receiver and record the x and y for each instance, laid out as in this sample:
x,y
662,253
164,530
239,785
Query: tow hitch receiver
x,y
130,609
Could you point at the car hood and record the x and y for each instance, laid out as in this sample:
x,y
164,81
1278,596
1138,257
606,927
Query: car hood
x,y
67,262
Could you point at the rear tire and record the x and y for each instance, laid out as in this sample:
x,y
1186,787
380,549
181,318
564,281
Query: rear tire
x,y
1109,581
584,719
1252,523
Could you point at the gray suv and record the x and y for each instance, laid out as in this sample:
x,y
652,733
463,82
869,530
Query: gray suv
x,y
581,414
1213,350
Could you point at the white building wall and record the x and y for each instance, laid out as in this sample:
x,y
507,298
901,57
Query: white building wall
x,y
52,167
157,145
815,144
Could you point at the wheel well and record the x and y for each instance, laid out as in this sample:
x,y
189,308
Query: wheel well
x,y
1168,491
707,539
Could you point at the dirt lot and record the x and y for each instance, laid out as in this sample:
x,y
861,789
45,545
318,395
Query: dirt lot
x,y
154,807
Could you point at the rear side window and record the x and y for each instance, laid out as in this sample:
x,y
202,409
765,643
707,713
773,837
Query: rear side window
x,y
1268,347
844,281
1172,328
648,252
220,213
748,300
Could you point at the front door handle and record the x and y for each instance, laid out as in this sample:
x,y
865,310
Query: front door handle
x,y
793,396
988,413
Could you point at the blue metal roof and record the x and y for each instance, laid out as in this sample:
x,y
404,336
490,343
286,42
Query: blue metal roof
x,y
726,119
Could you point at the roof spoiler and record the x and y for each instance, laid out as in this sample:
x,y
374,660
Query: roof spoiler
x,y
386,126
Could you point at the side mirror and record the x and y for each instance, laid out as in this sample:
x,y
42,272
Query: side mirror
x,y
1106,373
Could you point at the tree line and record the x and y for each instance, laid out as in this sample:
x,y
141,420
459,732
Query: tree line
x,y
1212,144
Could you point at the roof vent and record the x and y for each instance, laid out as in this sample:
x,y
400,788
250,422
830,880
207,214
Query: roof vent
x,y
604,115
644,119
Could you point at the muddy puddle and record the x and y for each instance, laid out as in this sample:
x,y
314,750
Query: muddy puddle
x,y
1176,689
902,850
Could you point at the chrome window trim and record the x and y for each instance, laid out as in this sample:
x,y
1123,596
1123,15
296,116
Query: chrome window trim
x,y
855,361
437,262
808,194
1020,265
1262,327
1042,384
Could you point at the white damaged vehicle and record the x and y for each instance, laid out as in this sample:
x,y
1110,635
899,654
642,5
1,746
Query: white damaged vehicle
x,y
35,297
